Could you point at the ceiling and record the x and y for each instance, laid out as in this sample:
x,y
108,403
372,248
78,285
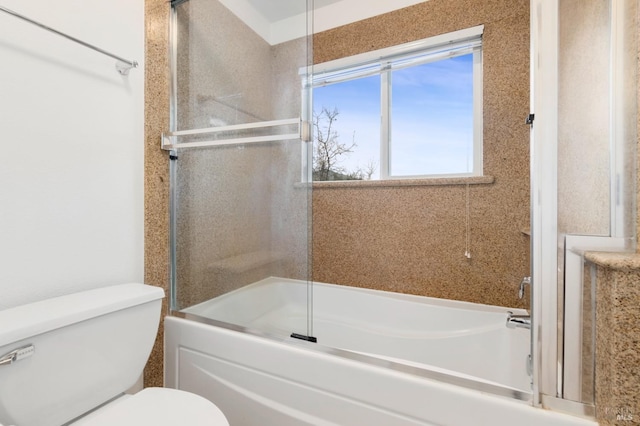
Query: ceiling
x,y
277,21
276,10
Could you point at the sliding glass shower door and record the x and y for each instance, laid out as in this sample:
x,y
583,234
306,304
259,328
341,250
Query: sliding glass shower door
x,y
240,202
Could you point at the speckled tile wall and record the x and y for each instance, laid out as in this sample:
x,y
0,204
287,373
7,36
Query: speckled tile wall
x,y
617,338
411,239
156,181
636,30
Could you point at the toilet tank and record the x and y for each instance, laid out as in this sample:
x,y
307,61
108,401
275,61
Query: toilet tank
x,y
74,352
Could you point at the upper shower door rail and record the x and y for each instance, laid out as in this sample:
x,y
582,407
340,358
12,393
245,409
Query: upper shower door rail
x,y
292,128
122,66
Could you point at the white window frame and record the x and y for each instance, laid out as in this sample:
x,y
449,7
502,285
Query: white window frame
x,y
383,61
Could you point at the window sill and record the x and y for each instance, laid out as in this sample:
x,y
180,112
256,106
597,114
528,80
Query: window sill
x,y
335,184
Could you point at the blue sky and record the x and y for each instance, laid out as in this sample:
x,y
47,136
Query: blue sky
x,y
432,129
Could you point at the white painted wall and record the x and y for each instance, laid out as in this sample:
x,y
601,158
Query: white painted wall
x,y
71,149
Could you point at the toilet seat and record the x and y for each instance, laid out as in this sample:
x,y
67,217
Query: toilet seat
x,y
157,407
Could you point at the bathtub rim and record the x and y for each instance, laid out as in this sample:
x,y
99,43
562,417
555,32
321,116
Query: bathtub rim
x,y
425,373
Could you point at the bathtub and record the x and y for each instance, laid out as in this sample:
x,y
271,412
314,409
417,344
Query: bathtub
x,y
380,359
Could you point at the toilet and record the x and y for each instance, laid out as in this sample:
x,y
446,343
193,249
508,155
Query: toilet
x,y
69,361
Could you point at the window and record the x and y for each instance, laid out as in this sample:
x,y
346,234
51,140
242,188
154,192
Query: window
x,y
409,111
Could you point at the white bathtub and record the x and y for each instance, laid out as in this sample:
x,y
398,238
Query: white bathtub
x,y
381,359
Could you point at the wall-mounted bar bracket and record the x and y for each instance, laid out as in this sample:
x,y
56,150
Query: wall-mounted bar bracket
x,y
124,67
529,119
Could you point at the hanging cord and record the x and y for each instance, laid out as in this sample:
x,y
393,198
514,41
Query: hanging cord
x,y
467,248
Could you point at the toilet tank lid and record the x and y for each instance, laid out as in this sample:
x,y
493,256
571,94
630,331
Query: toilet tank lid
x,y
40,317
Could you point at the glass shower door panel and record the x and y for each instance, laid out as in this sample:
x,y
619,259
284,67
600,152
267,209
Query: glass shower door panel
x,y
229,67
241,208
584,117
241,226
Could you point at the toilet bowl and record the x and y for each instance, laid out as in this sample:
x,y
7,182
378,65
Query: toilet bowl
x,y
69,360
158,407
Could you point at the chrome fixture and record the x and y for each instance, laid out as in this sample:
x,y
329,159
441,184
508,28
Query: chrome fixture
x,y
518,321
122,66
525,281
17,354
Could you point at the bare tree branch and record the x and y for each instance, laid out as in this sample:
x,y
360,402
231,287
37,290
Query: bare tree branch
x,y
328,149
